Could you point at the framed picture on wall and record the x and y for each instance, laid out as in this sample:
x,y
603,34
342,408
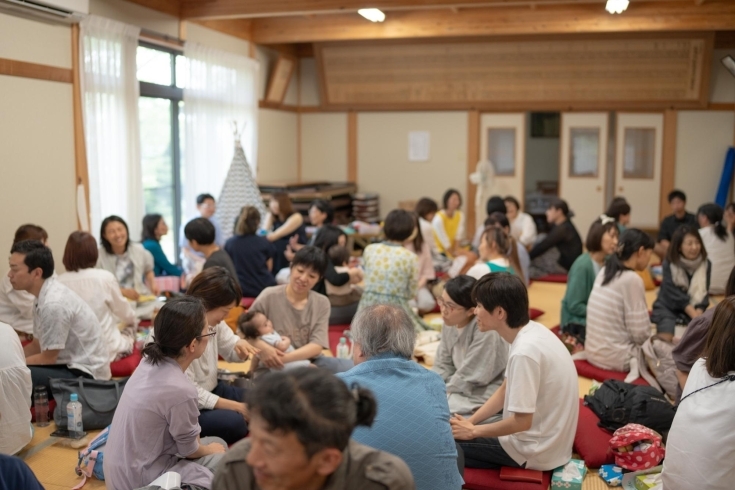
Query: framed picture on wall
x,y
545,124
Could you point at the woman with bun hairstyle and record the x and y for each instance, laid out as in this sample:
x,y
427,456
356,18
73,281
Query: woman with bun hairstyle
x,y
301,423
155,427
558,250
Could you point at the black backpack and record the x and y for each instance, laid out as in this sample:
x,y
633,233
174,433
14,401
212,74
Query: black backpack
x,y
617,403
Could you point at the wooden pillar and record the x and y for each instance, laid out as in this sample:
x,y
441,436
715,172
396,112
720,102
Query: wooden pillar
x,y
668,161
352,147
80,150
473,156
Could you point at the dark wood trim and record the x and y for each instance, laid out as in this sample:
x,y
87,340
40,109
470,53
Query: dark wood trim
x,y
668,161
80,149
352,147
473,156
15,68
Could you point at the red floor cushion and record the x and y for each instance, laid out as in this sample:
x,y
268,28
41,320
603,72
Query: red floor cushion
x,y
335,333
247,302
126,365
587,370
534,313
552,278
476,479
557,330
592,442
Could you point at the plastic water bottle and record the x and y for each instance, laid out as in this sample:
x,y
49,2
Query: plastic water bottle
x,y
40,405
74,417
343,351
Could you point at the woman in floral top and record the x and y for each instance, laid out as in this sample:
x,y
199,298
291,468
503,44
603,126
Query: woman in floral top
x,y
391,271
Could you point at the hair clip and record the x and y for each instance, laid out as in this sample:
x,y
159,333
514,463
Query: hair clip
x,y
605,219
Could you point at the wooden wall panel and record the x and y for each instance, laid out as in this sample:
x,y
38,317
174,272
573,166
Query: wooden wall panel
x,y
648,72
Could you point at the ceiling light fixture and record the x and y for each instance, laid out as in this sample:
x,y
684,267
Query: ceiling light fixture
x,y
373,15
616,6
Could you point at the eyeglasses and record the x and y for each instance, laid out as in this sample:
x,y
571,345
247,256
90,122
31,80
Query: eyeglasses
x,y
212,331
448,306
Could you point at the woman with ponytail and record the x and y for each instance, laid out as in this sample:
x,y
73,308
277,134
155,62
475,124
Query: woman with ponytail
x,y
155,427
498,253
617,313
301,423
602,241
719,243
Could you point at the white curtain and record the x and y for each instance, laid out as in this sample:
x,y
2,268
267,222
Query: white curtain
x,y
110,94
220,89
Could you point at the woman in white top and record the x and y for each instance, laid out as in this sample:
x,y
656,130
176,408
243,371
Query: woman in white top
x,y
100,290
719,244
617,313
222,411
522,225
498,253
130,263
701,444
15,387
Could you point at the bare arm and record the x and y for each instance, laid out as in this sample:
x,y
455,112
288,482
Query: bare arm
x,y
463,429
682,377
43,358
203,450
291,225
269,355
308,351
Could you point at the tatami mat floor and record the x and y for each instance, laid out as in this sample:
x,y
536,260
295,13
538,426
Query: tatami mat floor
x,y
53,461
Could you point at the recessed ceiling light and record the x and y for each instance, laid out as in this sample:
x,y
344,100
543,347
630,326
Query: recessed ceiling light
x,y
373,15
616,6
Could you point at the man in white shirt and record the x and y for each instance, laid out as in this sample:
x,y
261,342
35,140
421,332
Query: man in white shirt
x,y
539,397
68,340
15,387
191,260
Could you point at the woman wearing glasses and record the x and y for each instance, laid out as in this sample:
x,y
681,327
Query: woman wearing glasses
x,y
471,363
221,405
154,429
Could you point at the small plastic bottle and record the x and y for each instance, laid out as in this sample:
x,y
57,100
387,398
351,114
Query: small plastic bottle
x,y
343,351
74,417
40,405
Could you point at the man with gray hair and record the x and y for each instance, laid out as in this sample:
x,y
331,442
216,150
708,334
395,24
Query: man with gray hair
x,y
413,414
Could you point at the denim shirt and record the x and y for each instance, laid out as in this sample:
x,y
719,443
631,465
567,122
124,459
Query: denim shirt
x,y
412,421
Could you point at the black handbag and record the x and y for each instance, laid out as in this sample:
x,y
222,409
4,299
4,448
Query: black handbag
x,y
99,400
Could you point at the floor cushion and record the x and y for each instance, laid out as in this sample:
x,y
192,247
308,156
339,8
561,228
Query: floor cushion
x,y
126,365
534,313
247,302
557,330
476,479
592,442
587,370
562,278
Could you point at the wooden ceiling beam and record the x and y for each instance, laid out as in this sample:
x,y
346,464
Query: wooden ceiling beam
x,y
171,7
558,19
240,28
212,9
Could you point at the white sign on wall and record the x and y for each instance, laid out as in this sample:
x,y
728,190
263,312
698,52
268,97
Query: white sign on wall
x,y
418,146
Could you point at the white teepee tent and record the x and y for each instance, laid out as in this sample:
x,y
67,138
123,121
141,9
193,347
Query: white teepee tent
x,y
239,189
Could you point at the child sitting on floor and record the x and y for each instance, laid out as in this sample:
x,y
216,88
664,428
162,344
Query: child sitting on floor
x,y
340,257
253,325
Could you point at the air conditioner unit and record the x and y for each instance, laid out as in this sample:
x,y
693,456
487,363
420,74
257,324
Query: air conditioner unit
x,y
63,11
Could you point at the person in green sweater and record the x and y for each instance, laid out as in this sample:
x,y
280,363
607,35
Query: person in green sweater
x,y
602,240
154,227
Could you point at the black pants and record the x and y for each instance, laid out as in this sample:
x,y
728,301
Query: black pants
x,y
486,453
225,424
40,375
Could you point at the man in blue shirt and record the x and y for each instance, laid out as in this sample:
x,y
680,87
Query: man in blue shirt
x,y
413,414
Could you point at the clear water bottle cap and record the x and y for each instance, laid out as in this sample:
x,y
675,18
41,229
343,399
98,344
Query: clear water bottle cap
x,y
74,397
342,340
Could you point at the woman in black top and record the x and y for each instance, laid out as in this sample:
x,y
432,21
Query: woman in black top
x,y
329,236
252,254
558,250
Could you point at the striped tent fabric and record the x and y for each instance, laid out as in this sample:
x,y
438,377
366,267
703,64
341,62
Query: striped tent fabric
x,y
239,189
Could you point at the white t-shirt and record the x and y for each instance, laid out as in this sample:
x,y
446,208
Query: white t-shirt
x,y
100,290
16,307
701,446
63,321
15,393
481,268
541,379
523,229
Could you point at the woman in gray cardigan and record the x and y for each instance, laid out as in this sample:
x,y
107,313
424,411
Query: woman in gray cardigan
x,y
130,263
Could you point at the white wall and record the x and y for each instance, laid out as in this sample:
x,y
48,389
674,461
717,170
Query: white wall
x,y
324,146
35,42
702,139
382,150
277,146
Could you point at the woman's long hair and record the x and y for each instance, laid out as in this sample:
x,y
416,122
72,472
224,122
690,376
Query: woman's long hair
x,y
630,242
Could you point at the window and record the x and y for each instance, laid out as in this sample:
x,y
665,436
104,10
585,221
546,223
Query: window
x,y
639,147
501,149
159,109
585,152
